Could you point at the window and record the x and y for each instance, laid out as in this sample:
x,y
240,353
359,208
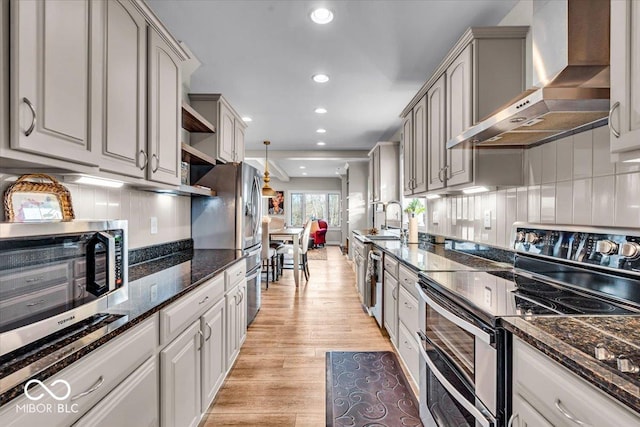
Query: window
x,y
315,205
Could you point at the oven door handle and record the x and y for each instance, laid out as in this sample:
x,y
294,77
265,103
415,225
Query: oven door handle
x,y
482,419
469,327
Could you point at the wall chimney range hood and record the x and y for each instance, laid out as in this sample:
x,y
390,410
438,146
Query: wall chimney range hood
x,y
570,48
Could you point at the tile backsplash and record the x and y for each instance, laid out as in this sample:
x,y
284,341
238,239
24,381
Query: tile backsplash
x,y
569,181
173,213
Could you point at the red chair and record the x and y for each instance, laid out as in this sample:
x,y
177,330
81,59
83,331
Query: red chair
x,y
319,238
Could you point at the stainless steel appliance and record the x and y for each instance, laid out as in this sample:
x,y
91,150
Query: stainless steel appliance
x,y
232,220
559,271
54,275
374,281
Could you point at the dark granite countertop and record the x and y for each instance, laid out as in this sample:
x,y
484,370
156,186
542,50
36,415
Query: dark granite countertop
x,y
152,286
571,341
437,257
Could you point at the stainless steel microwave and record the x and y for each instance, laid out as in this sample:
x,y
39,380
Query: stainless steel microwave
x,y
53,275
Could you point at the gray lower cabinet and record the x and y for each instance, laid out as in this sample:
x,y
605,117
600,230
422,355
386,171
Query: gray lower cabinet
x,y
390,310
213,352
236,327
526,415
133,403
180,379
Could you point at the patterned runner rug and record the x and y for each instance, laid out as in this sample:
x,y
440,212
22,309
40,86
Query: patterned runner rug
x,y
368,389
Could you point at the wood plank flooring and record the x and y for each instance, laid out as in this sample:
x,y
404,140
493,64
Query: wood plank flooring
x,y
279,376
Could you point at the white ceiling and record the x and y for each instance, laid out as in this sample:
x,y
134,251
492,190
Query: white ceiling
x,y
261,55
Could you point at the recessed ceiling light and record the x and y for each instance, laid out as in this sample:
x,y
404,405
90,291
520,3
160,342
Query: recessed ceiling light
x,y
321,130
321,110
247,119
303,167
320,78
304,173
322,16
321,143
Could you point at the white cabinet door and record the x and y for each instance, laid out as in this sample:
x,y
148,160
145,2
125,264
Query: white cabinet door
x,y
420,146
213,352
226,127
407,154
408,349
133,403
238,137
459,103
242,313
436,138
124,76
524,415
391,307
625,75
165,113
180,379
232,345
51,81
374,173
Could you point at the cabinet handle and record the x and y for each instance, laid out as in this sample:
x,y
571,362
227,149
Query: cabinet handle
x,y
568,414
512,419
144,164
36,303
406,343
210,331
33,116
96,386
241,297
204,300
201,335
613,130
34,279
153,156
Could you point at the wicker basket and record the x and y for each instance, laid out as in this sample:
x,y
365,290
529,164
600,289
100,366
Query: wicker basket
x,y
52,187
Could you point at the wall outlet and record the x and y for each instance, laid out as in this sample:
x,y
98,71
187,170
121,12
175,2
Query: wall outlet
x,y
487,219
487,297
435,216
154,225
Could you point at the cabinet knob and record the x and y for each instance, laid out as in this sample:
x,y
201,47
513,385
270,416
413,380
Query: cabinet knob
x,y
606,247
630,250
603,353
626,365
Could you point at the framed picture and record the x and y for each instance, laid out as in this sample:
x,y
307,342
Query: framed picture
x,y
276,204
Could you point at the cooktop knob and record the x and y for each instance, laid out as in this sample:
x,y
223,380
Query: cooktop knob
x,y
606,247
630,250
532,238
603,353
626,365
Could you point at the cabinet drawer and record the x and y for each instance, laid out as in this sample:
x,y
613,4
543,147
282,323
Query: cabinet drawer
x,y
408,279
96,375
177,316
408,348
391,265
408,310
543,383
234,274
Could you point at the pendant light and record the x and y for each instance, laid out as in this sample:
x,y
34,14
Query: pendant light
x,y
267,191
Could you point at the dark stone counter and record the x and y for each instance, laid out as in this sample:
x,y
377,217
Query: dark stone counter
x,y
571,341
152,286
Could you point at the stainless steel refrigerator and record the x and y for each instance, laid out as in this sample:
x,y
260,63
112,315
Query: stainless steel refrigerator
x,y
232,220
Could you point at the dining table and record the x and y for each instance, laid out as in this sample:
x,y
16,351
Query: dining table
x,y
293,235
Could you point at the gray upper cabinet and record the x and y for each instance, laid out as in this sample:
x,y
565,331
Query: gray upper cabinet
x,y
407,154
383,172
227,145
459,111
625,80
165,111
124,147
414,149
436,138
51,85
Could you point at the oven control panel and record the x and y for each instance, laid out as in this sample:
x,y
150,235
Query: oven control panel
x,y
611,248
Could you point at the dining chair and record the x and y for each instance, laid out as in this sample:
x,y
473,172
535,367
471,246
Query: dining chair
x,y
286,252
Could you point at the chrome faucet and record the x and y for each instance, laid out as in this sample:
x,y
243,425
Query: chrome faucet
x,y
396,202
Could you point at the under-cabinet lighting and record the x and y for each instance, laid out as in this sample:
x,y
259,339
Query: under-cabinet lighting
x,y
100,182
322,16
636,160
474,190
432,196
320,78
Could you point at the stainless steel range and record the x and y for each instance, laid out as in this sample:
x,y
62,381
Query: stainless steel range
x,y
566,271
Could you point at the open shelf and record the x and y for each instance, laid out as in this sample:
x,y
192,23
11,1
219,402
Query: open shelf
x,y
194,156
197,191
192,121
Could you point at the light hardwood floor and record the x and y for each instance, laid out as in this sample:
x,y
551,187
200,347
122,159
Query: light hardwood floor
x,y
279,376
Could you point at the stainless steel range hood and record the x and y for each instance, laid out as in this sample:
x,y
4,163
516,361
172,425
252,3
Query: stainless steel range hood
x,y
570,48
